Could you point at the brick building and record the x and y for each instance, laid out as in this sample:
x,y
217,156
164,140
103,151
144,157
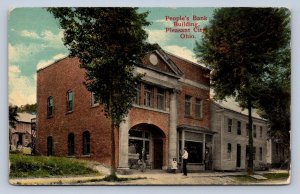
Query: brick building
x,y
171,110
230,122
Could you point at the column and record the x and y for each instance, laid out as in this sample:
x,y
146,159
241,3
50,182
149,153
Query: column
x,y
173,128
123,144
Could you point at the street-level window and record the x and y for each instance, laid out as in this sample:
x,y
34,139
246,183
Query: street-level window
x,y
148,96
86,143
50,106
188,105
198,108
50,149
229,125
160,98
71,144
195,150
229,151
239,130
70,101
260,153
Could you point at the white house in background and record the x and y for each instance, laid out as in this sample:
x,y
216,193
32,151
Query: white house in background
x,y
21,135
229,122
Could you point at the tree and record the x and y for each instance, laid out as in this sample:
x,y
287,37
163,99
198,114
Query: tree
x,y
29,108
13,119
108,43
240,45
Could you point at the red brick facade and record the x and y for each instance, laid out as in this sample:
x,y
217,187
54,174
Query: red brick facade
x,y
66,75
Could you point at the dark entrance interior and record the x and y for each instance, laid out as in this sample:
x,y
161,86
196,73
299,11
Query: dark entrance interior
x,y
238,155
158,154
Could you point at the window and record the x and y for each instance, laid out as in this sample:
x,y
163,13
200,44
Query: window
x,y
254,131
229,151
50,149
198,108
239,131
86,143
50,106
94,101
137,98
260,153
229,125
71,144
148,96
254,152
160,99
260,131
195,150
70,101
247,129
188,105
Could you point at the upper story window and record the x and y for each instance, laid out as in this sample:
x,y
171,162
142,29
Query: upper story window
x,y
70,101
160,98
137,99
260,131
247,129
198,108
229,125
148,96
254,131
50,106
239,130
94,101
188,105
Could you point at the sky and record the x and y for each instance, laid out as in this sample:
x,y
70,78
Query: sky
x,y
35,41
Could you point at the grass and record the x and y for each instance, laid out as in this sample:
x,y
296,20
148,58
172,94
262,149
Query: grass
x,y
22,166
276,176
269,176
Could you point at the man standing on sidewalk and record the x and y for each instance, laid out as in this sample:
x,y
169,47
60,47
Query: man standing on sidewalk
x,y
185,157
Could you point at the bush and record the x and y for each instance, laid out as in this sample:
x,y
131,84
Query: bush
x,y
41,166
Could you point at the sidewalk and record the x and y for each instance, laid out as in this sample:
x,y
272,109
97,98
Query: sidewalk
x,y
151,177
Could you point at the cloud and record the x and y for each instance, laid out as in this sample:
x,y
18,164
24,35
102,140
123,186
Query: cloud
x,y
21,89
52,40
21,52
157,36
45,63
29,34
183,52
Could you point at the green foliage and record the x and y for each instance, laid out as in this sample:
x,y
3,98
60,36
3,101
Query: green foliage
x,y
41,166
239,45
29,108
245,48
108,42
13,115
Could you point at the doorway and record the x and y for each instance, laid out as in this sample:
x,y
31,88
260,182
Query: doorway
x,y
158,154
238,155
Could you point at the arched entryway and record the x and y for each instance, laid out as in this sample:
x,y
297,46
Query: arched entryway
x,y
149,137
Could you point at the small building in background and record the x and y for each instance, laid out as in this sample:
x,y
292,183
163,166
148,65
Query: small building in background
x,y
21,135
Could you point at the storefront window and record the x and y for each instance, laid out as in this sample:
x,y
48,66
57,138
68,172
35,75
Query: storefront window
x,y
195,150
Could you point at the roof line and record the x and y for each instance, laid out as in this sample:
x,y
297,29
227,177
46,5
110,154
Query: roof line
x,y
42,68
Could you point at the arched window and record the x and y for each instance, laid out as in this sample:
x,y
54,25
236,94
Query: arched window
x,y
70,101
50,106
86,143
50,149
71,144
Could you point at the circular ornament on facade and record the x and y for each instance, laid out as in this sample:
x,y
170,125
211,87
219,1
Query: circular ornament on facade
x,y
153,59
